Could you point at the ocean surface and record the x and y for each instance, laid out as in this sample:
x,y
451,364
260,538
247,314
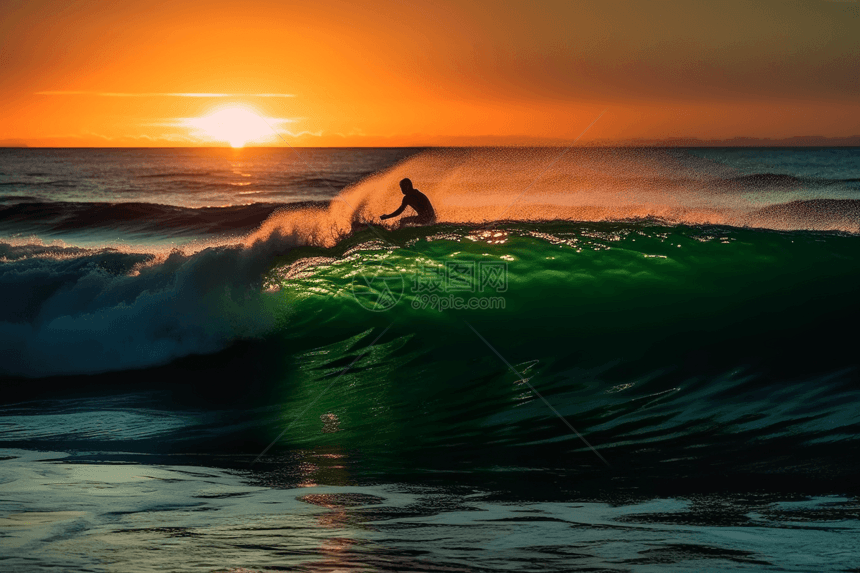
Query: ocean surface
x,y
596,360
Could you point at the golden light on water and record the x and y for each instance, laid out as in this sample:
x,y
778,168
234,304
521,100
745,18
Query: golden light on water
x,y
235,125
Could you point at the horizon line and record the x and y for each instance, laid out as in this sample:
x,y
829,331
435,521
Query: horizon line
x,y
560,145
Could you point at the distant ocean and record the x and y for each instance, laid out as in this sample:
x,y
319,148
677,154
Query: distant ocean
x,y
600,359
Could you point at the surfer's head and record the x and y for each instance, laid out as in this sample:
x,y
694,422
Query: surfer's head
x,y
406,185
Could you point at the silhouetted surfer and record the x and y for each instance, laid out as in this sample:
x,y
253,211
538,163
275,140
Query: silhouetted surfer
x,y
418,201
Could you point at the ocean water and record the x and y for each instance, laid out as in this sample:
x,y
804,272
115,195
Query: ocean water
x,y
597,359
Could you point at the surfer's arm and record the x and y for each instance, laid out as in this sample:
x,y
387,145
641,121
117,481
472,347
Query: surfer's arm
x,y
399,210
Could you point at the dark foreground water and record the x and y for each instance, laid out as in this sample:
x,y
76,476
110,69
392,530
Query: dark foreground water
x,y
60,514
660,375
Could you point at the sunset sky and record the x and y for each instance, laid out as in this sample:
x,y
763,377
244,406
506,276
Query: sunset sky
x,y
141,73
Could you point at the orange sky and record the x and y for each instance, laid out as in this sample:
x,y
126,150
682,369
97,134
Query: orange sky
x,y
96,73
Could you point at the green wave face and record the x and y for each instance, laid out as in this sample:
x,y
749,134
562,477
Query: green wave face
x,y
704,345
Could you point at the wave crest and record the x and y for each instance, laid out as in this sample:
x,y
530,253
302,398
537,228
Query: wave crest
x,y
484,186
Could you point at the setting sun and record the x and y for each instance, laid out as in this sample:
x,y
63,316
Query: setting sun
x,y
237,126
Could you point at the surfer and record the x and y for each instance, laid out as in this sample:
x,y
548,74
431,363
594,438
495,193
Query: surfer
x,y
425,215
